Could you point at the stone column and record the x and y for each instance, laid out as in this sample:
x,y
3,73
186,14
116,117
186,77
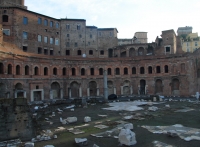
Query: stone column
x,y
80,92
122,90
88,91
61,93
97,91
115,90
51,94
131,90
105,81
24,94
70,93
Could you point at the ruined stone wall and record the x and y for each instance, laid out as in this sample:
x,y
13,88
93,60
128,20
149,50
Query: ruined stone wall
x,y
15,120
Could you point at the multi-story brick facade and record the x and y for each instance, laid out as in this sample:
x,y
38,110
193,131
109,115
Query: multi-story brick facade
x,y
71,64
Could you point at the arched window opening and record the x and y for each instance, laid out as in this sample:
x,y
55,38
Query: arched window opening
x,y
36,71
109,71
117,71
90,52
64,71
54,71
142,70
150,70
125,71
45,71
26,70
79,52
1,68
158,69
166,69
91,71
101,71
133,70
9,69
73,71
17,70
82,71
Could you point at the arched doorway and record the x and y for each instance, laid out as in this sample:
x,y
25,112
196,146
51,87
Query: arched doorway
x,y
2,90
131,52
126,88
55,87
140,51
110,88
158,87
175,86
142,87
93,88
123,54
19,90
74,89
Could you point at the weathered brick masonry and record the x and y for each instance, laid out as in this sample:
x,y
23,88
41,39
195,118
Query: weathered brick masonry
x,y
45,58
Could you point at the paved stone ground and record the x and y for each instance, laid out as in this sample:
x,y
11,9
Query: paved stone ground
x,y
164,116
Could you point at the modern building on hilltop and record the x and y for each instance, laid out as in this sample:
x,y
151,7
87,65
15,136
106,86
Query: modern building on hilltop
x,y
46,58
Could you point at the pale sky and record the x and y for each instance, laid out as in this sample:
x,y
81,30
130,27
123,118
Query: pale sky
x,y
128,16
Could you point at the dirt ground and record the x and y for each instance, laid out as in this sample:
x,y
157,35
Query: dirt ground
x,y
162,117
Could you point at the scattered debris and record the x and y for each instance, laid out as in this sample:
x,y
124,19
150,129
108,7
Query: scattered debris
x,y
29,144
81,141
95,145
75,131
184,110
60,129
128,126
102,115
127,137
71,119
101,126
153,108
69,107
161,144
167,106
11,143
185,133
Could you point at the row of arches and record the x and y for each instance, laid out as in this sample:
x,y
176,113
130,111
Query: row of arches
x,y
93,88
93,71
131,52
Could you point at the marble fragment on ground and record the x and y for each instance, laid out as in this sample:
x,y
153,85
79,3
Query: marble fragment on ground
x,y
127,137
75,131
126,106
101,126
184,133
161,144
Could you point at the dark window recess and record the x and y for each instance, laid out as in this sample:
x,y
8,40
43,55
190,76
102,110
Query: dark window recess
x,y
125,71
36,71
79,52
37,87
4,11
39,20
9,69
67,52
82,71
25,48
141,70
67,35
64,71
46,51
101,52
1,68
167,49
78,27
101,71
150,70
75,44
73,71
54,71
158,69
91,71
26,70
90,36
5,18
17,70
51,52
166,69
39,50
117,71
133,70
67,44
109,71
45,71
90,52
80,36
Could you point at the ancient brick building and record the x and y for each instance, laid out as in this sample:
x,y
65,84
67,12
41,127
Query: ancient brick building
x,y
45,58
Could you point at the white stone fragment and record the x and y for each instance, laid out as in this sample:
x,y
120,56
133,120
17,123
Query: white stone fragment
x,y
71,119
153,108
128,126
127,137
79,140
95,145
87,119
29,144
